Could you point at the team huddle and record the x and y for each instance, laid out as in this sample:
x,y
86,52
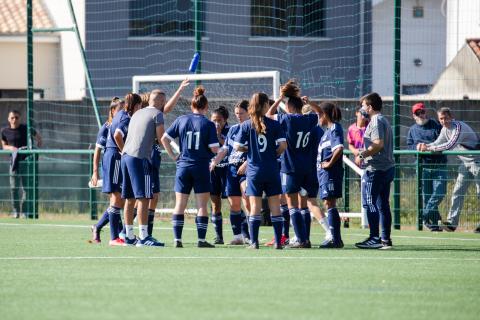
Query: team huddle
x,y
290,155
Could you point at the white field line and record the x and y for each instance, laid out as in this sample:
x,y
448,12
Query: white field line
x,y
165,228
238,258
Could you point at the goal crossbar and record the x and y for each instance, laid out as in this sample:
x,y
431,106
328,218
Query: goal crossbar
x,y
274,75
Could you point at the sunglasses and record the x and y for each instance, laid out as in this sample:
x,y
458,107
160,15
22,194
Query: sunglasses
x,y
419,112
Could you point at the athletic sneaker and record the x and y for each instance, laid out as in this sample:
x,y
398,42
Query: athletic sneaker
x,y
149,242
177,244
435,229
95,235
331,245
130,242
277,247
253,246
237,242
298,245
204,244
386,244
369,243
116,242
284,240
447,226
308,244
218,241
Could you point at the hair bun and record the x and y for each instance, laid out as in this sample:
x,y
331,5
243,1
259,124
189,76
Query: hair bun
x,y
290,89
199,91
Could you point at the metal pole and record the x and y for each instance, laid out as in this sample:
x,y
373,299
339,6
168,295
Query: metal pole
x,y
85,65
29,73
92,193
198,36
396,110
419,193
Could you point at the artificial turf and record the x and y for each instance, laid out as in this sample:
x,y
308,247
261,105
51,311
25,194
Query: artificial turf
x,y
49,271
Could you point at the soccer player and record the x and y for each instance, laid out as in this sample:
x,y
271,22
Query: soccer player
x,y
330,168
111,164
264,140
115,105
236,179
198,143
378,174
295,174
218,175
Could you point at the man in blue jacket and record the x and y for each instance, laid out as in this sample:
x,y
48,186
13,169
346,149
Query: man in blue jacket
x,y
434,174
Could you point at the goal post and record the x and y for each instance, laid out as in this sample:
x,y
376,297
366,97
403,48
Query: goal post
x,y
233,76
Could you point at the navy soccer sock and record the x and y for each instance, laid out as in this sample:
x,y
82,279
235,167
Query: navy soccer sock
x,y
218,224
104,219
245,231
254,225
277,223
202,225
236,222
373,222
335,223
151,219
286,220
177,222
307,218
298,224
114,218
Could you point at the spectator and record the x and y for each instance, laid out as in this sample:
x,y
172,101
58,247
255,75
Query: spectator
x,y
434,185
457,135
355,145
14,137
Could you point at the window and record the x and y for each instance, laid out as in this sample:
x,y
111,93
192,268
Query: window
x,y
287,18
418,12
412,89
167,18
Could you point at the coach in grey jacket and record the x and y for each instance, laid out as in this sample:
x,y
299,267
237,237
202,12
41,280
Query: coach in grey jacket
x,y
457,135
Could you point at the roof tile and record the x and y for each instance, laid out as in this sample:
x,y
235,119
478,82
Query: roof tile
x,y
13,16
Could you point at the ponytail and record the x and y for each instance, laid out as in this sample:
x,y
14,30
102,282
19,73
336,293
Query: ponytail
x,y
256,111
199,101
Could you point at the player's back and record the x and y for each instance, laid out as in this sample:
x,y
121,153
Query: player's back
x,y
142,135
119,123
262,148
298,130
196,136
102,136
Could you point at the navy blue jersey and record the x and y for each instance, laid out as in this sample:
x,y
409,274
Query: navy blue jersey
x,y
119,123
102,136
234,157
262,148
156,156
196,136
298,129
331,140
223,135
317,134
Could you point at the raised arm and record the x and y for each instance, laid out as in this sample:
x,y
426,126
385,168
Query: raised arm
x,y
174,99
272,111
315,106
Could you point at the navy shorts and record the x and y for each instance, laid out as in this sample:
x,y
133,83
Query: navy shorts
x,y
330,182
112,173
218,181
155,180
137,182
233,182
268,183
196,177
293,182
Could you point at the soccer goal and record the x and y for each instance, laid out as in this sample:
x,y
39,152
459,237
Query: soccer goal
x,y
219,86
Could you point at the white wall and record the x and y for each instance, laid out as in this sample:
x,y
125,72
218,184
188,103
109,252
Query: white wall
x,y
463,21
13,64
71,60
423,38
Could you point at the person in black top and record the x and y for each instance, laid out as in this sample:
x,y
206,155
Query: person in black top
x,y
434,174
14,137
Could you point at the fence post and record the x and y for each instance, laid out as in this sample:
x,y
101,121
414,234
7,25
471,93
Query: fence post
x,y
346,190
92,199
419,193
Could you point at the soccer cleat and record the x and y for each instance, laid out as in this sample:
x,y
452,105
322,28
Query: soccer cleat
x,y
177,244
253,246
308,244
270,243
247,240
116,242
95,235
204,244
435,229
237,242
447,226
130,242
386,244
277,247
149,242
297,245
331,245
477,229
284,241
369,243
218,241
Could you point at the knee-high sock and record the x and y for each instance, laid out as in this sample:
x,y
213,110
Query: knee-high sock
x,y
254,225
113,217
151,219
335,223
277,223
217,221
286,220
202,225
298,224
307,218
245,232
103,221
236,222
177,222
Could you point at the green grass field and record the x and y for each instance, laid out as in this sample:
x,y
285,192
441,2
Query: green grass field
x,y
49,271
